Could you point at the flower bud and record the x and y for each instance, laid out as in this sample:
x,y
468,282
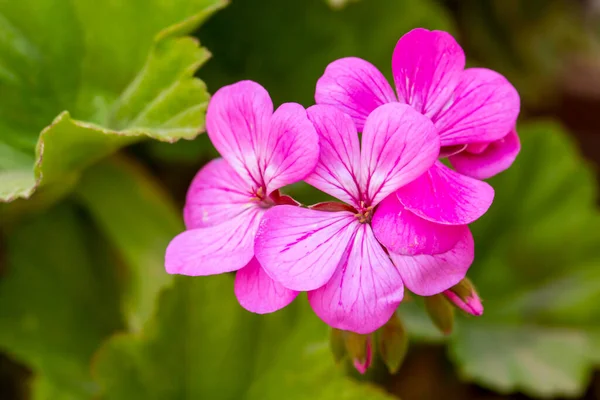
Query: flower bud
x,y
360,350
393,343
357,347
464,296
441,312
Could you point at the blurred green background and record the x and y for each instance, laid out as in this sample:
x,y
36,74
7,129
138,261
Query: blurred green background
x,y
101,104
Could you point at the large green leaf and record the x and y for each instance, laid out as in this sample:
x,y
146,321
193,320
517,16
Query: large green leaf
x,y
537,268
139,221
58,301
126,68
203,345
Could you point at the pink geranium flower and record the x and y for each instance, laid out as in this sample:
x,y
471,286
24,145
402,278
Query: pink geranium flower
x,y
331,250
262,151
474,111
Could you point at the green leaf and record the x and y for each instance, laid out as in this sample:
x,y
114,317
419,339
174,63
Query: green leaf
x,y
537,269
209,347
126,69
139,220
58,301
541,361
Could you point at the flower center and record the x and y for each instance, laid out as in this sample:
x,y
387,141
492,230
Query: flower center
x,y
364,213
261,199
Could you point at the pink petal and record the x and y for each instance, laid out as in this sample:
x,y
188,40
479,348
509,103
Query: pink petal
x,y
398,145
216,194
403,232
444,196
237,122
483,108
495,158
292,149
426,66
427,275
301,248
258,293
339,161
354,86
215,249
365,290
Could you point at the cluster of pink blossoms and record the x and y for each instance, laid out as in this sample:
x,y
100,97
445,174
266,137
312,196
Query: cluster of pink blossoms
x,y
402,216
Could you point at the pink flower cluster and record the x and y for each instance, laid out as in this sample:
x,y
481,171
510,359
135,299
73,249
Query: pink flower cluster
x,y
402,216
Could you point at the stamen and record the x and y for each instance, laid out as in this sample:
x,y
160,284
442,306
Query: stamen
x,y
365,214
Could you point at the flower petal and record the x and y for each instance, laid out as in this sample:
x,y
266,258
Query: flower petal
x,y
301,248
426,66
495,158
292,148
215,249
258,293
444,196
337,172
484,106
427,275
216,194
237,122
365,290
398,145
355,87
402,232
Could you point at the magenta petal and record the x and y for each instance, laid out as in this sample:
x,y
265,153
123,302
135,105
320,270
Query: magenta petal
x,y
237,122
426,66
483,108
339,161
398,145
427,275
215,249
365,290
301,248
216,194
496,157
258,293
292,149
403,232
444,196
354,86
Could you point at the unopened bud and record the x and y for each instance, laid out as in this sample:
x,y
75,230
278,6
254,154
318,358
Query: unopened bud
x,y
337,344
393,343
360,350
464,296
441,312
